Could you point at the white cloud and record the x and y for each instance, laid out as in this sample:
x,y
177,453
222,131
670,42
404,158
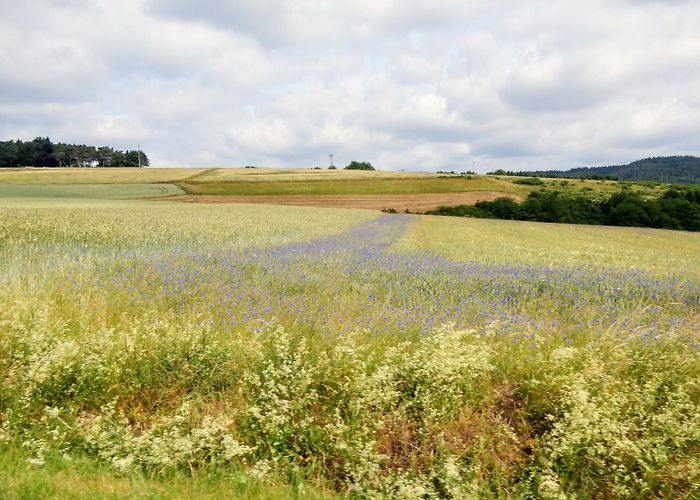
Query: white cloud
x,y
404,84
283,22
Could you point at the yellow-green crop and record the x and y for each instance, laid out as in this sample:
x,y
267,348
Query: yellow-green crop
x,y
279,350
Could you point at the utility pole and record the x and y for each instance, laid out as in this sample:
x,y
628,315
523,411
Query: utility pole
x,y
138,147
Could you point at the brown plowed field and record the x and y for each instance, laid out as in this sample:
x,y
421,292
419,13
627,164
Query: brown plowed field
x,y
419,202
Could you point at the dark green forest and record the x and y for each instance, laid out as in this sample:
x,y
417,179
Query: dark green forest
x,y
41,152
676,208
671,169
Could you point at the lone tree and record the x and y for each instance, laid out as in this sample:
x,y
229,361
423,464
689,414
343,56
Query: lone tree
x,y
359,165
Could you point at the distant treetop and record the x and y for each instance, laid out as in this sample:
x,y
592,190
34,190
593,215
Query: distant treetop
x,y
359,165
41,152
671,169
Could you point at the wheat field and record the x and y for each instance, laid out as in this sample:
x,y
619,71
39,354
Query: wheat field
x,y
168,350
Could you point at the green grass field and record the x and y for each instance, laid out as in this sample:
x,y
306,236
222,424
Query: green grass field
x,y
165,175
90,191
380,185
301,174
592,187
532,243
271,181
95,175
275,182
164,350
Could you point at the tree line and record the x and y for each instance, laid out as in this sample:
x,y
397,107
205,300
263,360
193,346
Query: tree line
x,y
41,152
671,169
552,174
676,208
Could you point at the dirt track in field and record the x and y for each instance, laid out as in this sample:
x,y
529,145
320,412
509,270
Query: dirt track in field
x,y
419,202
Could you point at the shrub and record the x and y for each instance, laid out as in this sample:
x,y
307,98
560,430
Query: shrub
x,y
359,165
674,210
529,181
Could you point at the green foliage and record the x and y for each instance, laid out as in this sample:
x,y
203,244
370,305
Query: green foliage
x,y
38,152
359,165
675,209
41,152
605,418
500,171
618,416
63,478
677,169
529,181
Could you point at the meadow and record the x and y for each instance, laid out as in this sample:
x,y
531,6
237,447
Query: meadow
x,y
119,183
351,186
206,175
151,348
87,191
53,176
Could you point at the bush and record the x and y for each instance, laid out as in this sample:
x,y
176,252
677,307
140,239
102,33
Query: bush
x,y
529,181
359,165
675,209
502,208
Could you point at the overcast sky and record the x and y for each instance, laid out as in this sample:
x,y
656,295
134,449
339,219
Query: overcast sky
x,y
414,84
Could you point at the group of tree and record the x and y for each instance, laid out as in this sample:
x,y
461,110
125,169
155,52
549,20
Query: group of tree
x,y
359,165
41,152
674,209
556,174
671,169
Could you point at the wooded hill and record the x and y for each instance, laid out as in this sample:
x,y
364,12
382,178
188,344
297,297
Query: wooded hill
x,y
670,169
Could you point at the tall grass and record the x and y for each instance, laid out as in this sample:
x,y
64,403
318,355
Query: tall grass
x,y
296,346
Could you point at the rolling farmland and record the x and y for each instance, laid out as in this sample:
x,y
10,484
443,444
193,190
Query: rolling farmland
x,y
174,349
416,192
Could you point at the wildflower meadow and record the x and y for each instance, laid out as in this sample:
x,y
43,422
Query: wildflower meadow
x,y
178,350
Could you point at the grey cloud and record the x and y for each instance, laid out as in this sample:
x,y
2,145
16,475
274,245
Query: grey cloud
x,y
284,22
555,97
258,18
498,147
407,84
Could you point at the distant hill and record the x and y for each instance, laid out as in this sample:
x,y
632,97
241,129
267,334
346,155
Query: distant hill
x,y
671,169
